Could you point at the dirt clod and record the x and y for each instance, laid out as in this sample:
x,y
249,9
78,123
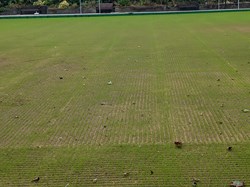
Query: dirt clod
x,y
245,110
60,77
125,174
229,148
178,144
195,181
237,184
36,180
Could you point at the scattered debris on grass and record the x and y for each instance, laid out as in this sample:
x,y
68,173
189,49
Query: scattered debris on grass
x,y
125,174
60,77
229,148
237,183
245,110
151,172
109,82
36,179
95,180
178,144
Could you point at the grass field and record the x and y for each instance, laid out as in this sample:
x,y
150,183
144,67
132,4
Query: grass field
x,y
174,77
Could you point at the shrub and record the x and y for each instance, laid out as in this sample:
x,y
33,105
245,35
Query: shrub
x,y
63,5
74,5
124,2
39,3
89,3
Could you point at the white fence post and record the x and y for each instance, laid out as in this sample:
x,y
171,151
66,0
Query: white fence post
x,y
99,6
80,2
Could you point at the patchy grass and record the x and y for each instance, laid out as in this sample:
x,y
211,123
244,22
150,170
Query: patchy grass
x,y
174,77
59,166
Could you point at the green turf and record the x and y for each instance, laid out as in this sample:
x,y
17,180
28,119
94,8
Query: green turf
x,y
174,77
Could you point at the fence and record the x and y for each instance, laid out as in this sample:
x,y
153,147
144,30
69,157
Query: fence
x,y
132,8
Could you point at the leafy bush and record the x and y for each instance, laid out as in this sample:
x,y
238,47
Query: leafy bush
x,y
39,3
74,5
63,5
13,5
89,3
124,2
3,9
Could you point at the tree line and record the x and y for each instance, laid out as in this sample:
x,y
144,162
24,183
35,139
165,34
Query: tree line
x,y
13,3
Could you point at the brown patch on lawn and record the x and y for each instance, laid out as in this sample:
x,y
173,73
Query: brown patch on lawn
x,y
244,29
4,62
13,100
